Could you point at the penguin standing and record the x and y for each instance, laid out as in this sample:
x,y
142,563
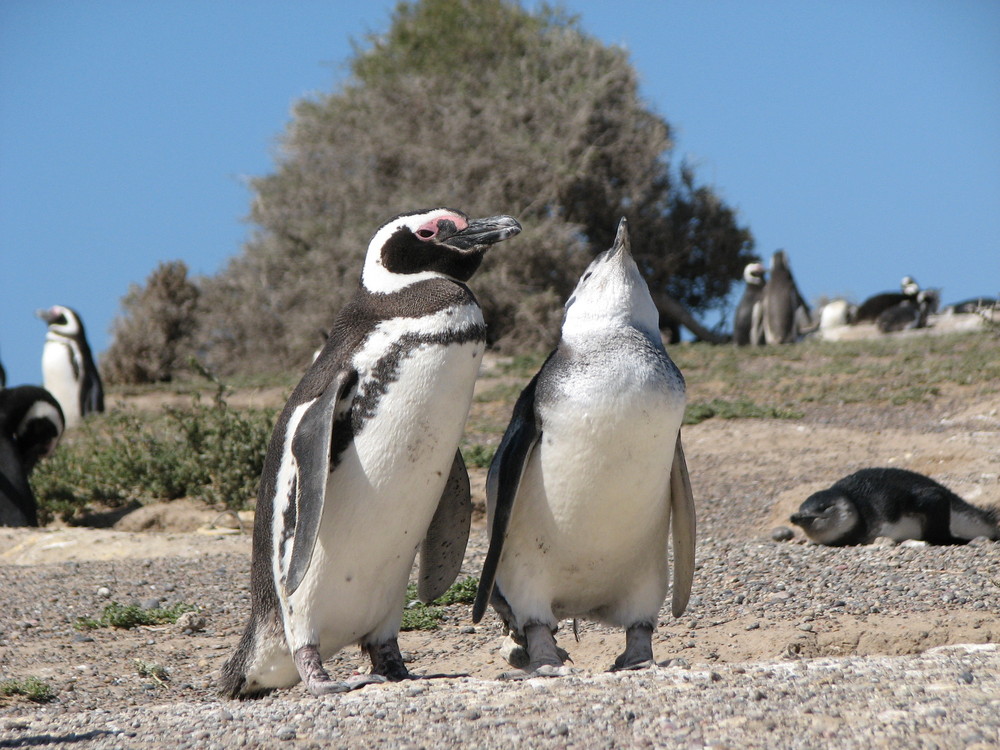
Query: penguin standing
x,y
785,314
894,503
31,423
68,369
363,466
588,478
747,324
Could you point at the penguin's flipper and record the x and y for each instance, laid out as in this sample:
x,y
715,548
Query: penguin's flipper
x,y
443,549
684,530
502,484
311,451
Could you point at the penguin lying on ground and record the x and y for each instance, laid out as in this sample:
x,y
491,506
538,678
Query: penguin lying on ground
x,y
31,423
68,369
871,308
908,314
974,305
588,478
747,323
893,503
784,313
363,467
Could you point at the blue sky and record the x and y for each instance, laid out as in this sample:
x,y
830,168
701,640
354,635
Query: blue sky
x,y
863,137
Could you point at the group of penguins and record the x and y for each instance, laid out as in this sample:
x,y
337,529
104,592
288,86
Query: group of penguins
x,y
772,311
33,418
586,495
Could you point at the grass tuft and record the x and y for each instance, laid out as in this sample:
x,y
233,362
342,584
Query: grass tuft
x,y
32,688
128,616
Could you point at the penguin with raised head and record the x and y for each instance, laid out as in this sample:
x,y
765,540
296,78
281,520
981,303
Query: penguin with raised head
x,y
893,503
31,423
68,369
747,324
785,314
363,467
588,478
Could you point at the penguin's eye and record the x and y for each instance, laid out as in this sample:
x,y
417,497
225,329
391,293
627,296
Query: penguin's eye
x,y
425,234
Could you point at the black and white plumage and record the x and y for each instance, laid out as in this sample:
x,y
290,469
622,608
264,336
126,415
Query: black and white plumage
x,y
893,503
974,305
908,314
363,465
748,322
68,369
588,477
31,423
784,312
870,310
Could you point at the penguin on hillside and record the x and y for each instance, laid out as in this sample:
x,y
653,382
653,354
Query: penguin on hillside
x,y
871,308
31,423
894,503
785,314
747,324
589,477
909,314
68,369
363,467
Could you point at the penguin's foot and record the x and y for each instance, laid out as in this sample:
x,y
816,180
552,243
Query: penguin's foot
x,y
318,681
638,653
515,652
386,660
538,657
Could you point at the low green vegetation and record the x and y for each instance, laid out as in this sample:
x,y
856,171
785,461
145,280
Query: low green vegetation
x,y
420,616
128,616
479,455
738,409
206,451
156,672
32,688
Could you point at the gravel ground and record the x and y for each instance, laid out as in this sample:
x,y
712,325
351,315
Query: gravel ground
x,y
785,644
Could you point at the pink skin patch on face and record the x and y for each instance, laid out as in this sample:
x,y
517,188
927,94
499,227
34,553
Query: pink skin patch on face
x,y
431,228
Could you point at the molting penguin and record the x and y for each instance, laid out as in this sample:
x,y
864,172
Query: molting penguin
x,y
31,423
363,466
784,312
589,473
893,503
747,324
68,369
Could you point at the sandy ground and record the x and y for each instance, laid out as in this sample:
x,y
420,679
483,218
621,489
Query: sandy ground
x,y
747,476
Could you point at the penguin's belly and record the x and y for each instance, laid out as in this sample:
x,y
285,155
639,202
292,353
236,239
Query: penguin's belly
x,y
61,380
591,519
381,498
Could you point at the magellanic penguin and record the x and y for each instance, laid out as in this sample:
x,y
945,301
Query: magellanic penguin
x,y
363,466
874,306
785,314
68,369
748,321
587,478
910,313
31,423
893,503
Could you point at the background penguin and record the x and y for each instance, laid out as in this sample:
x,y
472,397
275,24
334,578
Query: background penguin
x,y
590,470
894,503
363,465
31,423
68,369
785,314
908,314
747,328
974,305
871,308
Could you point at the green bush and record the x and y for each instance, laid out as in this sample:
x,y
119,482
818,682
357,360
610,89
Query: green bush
x,y
128,616
32,688
208,452
420,616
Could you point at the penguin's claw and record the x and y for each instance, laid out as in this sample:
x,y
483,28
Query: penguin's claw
x,y
542,670
623,667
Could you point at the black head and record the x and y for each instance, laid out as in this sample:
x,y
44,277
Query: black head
x,y
433,242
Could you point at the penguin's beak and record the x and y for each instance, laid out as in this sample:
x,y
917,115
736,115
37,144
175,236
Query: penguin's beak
x,y
47,315
621,244
483,232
